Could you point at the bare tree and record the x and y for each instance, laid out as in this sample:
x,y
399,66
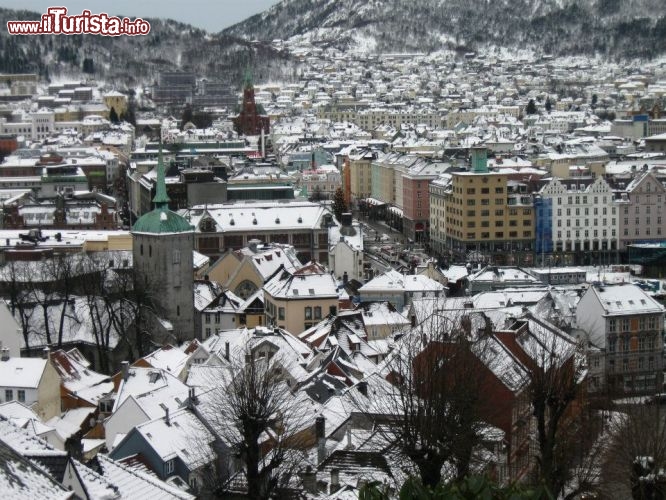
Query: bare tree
x,y
556,371
435,407
15,275
259,420
636,456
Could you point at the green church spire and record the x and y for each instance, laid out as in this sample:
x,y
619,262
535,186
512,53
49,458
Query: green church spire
x,y
247,79
161,199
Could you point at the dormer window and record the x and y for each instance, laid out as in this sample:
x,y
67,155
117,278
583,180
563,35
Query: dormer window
x,y
208,225
254,221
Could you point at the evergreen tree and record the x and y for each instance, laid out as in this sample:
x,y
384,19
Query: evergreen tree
x,y
531,108
339,205
186,116
113,116
548,105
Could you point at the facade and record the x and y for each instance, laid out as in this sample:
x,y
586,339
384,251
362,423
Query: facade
x,y
623,327
360,175
33,382
438,191
162,251
488,218
582,219
232,226
247,270
295,301
641,215
346,250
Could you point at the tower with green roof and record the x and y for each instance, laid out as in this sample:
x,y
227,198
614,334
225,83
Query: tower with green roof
x,y
163,244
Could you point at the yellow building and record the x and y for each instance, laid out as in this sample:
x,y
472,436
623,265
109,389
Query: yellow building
x,y
488,217
245,271
117,101
297,301
360,167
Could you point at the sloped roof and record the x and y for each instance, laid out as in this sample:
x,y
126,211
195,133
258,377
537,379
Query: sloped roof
x,y
22,478
135,484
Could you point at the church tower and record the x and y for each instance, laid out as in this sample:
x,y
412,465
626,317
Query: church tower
x,y
162,247
252,119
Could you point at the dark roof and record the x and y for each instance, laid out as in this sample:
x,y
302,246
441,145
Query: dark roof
x,y
21,473
56,464
354,461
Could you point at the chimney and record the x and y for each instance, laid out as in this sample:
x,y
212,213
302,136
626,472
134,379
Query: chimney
x,y
335,481
46,353
124,369
167,420
320,432
345,278
226,350
192,400
5,354
309,479
253,244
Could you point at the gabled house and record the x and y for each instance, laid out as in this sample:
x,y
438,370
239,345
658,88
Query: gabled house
x,y
346,250
176,444
216,309
400,289
31,381
246,270
622,327
80,386
141,395
297,300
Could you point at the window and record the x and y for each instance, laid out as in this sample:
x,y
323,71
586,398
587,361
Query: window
x,y
308,313
169,466
9,394
21,396
281,313
207,332
317,312
207,320
176,256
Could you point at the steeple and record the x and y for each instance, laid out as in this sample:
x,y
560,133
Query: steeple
x,y
247,79
161,199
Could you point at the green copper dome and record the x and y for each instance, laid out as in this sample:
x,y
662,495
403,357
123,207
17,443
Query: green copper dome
x,y
161,219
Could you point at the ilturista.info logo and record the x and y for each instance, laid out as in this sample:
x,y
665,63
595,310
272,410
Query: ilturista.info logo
x,y
57,22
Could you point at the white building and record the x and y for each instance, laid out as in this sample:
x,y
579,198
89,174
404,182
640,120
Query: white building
x,y
583,215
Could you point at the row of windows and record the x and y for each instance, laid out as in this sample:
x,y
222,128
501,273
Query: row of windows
x,y
9,395
626,366
485,190
499,235
577,222
624,324
624,344
586,233
499,223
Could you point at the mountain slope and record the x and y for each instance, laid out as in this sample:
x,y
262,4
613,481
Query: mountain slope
x,y
614,27
131,61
